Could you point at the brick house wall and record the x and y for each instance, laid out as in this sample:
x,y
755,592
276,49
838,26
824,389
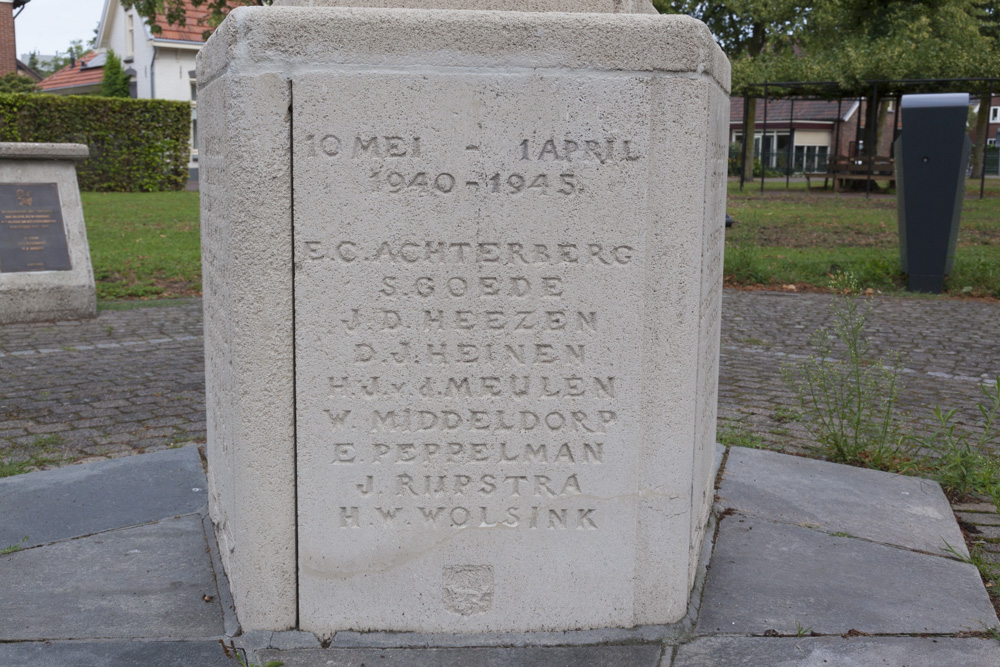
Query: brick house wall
x,y
8,47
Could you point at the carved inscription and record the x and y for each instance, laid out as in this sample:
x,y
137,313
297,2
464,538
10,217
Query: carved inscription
x,y
472,387
385,154
476,431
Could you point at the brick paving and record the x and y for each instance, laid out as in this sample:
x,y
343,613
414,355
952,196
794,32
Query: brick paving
x,y
949,347
132,381
127,382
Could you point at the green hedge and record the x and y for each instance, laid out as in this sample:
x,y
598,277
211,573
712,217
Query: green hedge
x,y
135,145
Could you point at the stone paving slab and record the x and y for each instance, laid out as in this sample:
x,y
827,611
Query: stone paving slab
x,y
81,500
890,509
115,654
774,576
384,640
149,581
839,652
588,656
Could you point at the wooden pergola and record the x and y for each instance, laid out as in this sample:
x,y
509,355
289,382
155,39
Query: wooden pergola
x,y
880,89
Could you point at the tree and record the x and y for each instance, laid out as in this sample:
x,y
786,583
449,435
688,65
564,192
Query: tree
x,y
76,50
989,27
16,83
860,41
852,42
176,12
759,37
116,83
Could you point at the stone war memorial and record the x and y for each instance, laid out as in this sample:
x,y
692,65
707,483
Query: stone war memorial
x,y
462,275
45,270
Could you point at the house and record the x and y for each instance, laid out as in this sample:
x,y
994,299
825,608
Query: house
x,y
807,131
8,42
993,131
8,45
162,66
81,77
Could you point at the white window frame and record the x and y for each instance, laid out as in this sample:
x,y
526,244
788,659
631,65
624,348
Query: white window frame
x,y
995,114
129,36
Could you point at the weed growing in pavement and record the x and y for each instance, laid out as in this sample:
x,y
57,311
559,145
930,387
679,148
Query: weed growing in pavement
x,y
11,468
236,656
783,414
848,403
988,570
961,463
801,631
735,434
14,548
47,441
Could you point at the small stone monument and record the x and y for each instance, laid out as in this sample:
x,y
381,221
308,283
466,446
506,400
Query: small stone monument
x,y
462,277
45,271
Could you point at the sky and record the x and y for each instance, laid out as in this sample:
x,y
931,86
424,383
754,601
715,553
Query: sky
x,y
48,26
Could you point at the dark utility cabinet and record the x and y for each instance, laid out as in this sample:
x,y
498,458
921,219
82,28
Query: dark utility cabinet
x,y
932,158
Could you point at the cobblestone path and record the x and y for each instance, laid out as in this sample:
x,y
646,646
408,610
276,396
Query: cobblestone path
x,y
133,381
949,348
127,382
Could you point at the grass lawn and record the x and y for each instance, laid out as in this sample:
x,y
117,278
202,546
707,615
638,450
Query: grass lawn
x,y
144,245
798,237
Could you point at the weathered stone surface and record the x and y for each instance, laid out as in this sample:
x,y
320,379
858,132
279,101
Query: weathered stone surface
x,y
148,581
590,656
455,269
613,6
21,150
891,509
44,293
95,497
772,576
787,652
648,634
115,654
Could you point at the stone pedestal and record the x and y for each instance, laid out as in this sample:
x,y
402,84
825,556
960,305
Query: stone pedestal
x,y
45,270
462,277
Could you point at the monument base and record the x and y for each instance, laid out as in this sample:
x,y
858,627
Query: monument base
x,y
462,276
45,269
47,304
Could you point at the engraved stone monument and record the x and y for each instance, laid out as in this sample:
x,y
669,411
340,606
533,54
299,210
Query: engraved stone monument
x,y
45,271
462,275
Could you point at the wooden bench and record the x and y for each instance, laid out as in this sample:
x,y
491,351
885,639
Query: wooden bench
x,y
842,169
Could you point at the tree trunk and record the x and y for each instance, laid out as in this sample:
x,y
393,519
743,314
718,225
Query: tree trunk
x,y
982,128
871,128
883,112
748,134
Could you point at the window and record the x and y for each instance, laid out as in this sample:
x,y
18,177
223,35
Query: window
x,y
129,36
995,115
810,158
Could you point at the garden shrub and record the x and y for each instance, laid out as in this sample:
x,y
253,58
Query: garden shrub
x,y
135,145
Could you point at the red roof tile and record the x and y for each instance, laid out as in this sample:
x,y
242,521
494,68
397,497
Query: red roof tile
x,y
74,75
195,24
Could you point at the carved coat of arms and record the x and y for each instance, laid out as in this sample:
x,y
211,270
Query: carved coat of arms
x,y
468,589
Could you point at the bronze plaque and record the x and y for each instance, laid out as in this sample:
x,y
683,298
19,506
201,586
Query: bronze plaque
x,y
32,236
